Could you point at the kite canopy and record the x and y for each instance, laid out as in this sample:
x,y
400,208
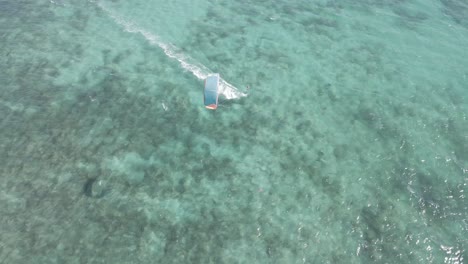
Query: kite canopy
x,y
211,91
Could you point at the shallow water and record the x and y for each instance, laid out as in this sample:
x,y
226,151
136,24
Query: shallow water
x,y
350,146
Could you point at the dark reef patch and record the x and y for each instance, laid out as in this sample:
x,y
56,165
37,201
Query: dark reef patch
x,y
457,10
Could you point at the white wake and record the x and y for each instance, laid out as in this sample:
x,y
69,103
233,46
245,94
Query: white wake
x,y
228,90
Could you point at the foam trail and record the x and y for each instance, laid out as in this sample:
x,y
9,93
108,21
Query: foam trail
x,y
228,90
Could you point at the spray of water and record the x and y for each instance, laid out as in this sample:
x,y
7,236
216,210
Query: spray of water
x,y
200,71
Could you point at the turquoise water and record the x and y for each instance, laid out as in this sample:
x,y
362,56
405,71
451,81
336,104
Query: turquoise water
x,y
350,146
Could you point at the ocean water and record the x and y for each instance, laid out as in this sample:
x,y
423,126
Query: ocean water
x,y
351,145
